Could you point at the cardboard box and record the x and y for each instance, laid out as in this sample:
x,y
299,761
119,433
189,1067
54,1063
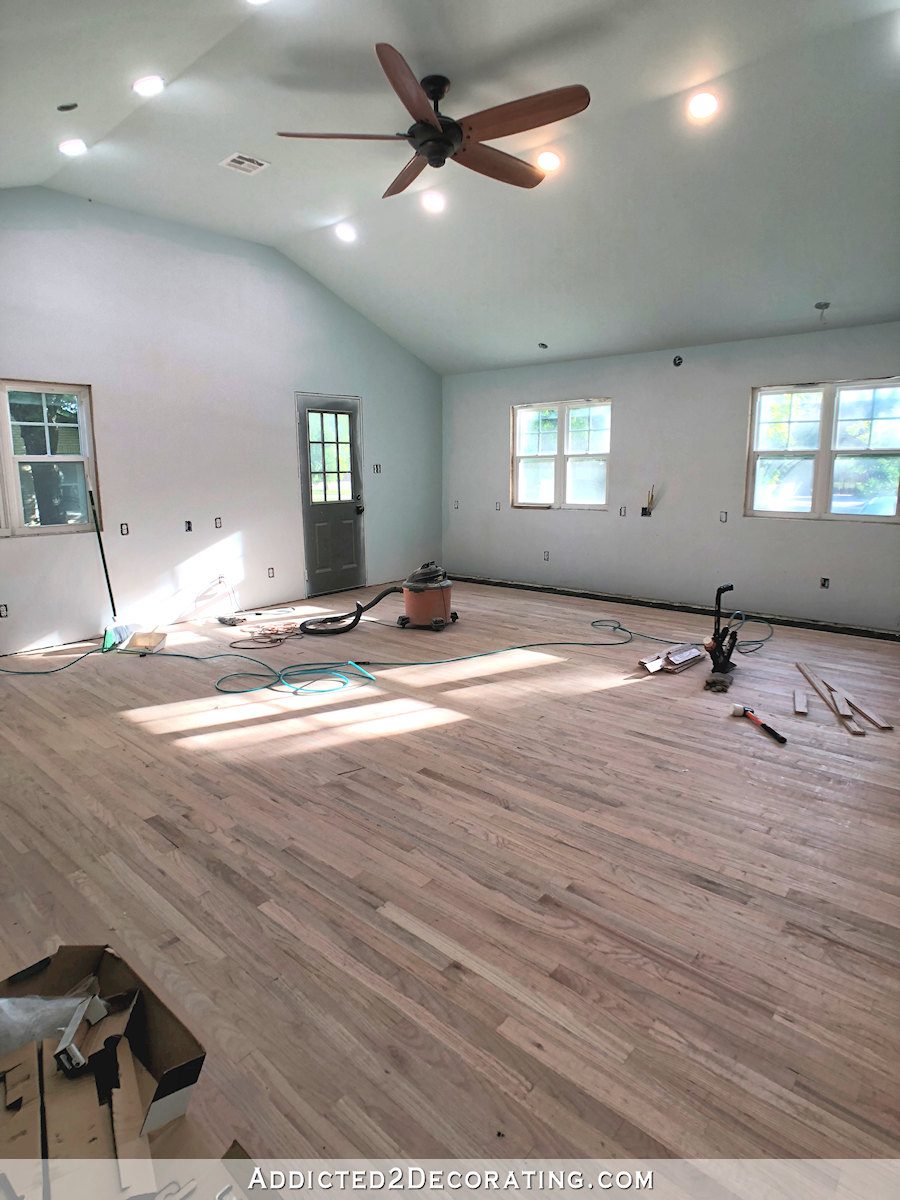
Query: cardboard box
x,y
170,1055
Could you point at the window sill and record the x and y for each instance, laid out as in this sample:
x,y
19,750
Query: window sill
x,y
47,531
838,518
562,507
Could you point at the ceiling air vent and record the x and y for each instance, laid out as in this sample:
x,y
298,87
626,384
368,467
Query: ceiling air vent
x,y
244,163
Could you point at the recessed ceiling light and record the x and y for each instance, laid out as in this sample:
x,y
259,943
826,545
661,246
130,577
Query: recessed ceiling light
x,y
702,106
548,161
70,106
257,2
345,231
148,85
434,202
72,147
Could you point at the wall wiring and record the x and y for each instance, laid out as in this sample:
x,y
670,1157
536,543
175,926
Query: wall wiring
x,y
335,676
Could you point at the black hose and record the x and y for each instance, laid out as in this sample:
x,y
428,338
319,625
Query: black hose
x,y
344,622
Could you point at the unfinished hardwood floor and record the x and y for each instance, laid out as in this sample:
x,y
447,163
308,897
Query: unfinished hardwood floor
x,y
537,904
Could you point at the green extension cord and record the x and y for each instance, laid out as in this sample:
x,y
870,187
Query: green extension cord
x,y
339,675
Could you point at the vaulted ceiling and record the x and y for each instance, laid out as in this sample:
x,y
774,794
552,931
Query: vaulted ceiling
x,y
656,232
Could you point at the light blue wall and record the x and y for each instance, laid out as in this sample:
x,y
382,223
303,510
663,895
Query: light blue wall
x,y
685,430
194,345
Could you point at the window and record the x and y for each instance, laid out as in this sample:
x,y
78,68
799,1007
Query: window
x,y
330,476
826,450
560,454
46,461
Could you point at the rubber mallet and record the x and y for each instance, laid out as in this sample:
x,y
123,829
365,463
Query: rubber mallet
x,y
741,710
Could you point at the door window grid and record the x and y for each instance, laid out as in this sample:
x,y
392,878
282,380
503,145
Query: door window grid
x,y
330,469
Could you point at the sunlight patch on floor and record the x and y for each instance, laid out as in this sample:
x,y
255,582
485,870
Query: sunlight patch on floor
x,y
498,664
316,731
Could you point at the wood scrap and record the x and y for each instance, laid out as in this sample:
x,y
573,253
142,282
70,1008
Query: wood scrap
x,y
825,693
136,1172
801,703
869,713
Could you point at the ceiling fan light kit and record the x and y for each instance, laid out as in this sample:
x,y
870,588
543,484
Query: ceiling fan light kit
x,y
435,138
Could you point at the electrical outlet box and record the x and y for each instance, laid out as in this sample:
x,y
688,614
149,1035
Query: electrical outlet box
x,y
723,516
218,522
188,526
271,572
824,582
456,504
546,556
646,511
376,468
4,610
497,506
123,529
621,510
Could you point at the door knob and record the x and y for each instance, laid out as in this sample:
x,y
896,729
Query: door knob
x,y
360,509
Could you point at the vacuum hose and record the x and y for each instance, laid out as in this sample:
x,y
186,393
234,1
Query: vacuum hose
x,y
343,622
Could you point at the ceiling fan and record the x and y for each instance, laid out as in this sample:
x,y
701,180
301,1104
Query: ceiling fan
x,y
435,138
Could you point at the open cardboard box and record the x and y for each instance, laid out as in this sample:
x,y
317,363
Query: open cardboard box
x,y
168,1057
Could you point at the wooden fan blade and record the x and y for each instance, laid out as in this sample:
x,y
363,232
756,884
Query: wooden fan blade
x,y
533,111
488,161
352,137
411,171
405,84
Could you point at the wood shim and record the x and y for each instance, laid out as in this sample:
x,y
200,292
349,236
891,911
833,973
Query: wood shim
x,y
824,692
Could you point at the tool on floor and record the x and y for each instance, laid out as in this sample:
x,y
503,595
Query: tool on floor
x,y
720,645
426,601
741,710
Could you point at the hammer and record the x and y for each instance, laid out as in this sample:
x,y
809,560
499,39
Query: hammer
x,y
741,710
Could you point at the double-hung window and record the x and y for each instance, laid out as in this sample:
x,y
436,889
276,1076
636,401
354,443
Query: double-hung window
x,y
560,454
46,458
826,450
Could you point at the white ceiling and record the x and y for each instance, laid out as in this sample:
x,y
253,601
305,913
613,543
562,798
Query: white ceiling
x,y
656,233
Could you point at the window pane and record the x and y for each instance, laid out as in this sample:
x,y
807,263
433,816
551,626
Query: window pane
x,y
346,487
316,457
788,421
854,403
774,407
887,402
586,481
783,484
29,439
536,430
804,435
600,416
62,409
885,435
853,435
865,485
315,426
331,487
317,488
343,427
64,439
329,427
26,406
343,457
771,436
535,482
330,456
578,441
599,441
53,493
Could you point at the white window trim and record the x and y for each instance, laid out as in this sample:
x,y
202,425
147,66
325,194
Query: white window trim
x,y
559,459
823,458
11,521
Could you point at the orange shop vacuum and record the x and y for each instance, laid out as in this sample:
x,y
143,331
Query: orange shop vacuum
x,y
426,603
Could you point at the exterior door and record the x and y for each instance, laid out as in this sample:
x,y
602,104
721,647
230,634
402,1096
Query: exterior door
x,y
331,487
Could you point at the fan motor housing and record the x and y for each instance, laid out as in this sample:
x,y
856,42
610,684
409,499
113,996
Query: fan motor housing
x,y
436,146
